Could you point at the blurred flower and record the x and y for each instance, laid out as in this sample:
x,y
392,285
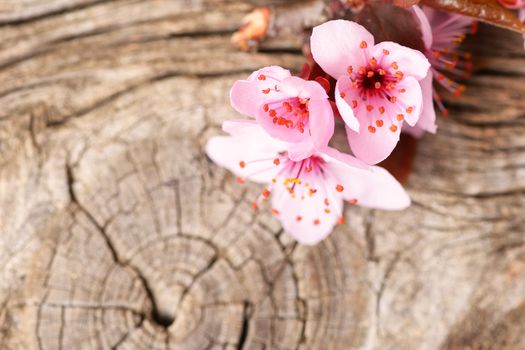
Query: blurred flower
x,y
307,195
253,30
377,85
288,108
442,34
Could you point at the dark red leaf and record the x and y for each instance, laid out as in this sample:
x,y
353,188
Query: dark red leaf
x,y
405,3
489,11
324,83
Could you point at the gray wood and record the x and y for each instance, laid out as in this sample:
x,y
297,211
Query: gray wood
x,y
113,223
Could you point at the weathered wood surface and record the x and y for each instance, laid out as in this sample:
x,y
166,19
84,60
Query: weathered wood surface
x,y
116,232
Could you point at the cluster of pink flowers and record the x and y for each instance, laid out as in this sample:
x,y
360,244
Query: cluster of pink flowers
x,y
382,89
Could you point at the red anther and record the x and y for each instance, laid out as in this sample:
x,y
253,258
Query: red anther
x,y
317,222
402,91
381,109
341,220
275,120
350,69
393,99
266,91
326,202
265,107
393,128
339,188
312,191
354,104
276,161
399,75
381,71
298,218
436,55
377,85
369,108
379,123
272,113
373,62
262,77
362,70
342,94
410,110
400,117
390,86
242,164
370,74
363,45
394,65
266,193
371,129
309,169
386,52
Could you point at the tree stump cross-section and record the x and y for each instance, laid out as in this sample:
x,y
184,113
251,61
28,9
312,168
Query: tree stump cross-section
x,y
117,232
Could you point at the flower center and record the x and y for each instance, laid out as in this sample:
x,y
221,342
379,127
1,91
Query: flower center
x,y
291,113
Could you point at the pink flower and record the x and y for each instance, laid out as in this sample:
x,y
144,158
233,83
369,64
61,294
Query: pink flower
x,y
306,195
288,108
516,5
442,33
377,85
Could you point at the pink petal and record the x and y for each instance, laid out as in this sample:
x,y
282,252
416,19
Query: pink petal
x,y
373,148
247,130
412,97
336,44
297,87
321,121
303,216
426,30
373,187
246,95
301,150
427,119
344,108
228,152
410,62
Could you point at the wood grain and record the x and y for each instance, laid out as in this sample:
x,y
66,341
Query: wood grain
x,y
116,231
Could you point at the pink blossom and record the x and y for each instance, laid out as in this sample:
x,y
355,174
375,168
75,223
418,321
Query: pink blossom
x,y
307,195
288,108
377,85
516,5
442,33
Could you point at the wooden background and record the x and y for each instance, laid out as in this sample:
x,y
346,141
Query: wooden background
x,y
116,232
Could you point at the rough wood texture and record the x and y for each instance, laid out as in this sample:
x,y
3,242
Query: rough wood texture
x,y
118,233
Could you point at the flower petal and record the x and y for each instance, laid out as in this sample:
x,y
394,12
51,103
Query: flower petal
x,y
321,122
250,146
410,62
306,216
247,95
426,29
336,44
344,108
373,187
297,87
374,147
301,150
411,100
427,119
